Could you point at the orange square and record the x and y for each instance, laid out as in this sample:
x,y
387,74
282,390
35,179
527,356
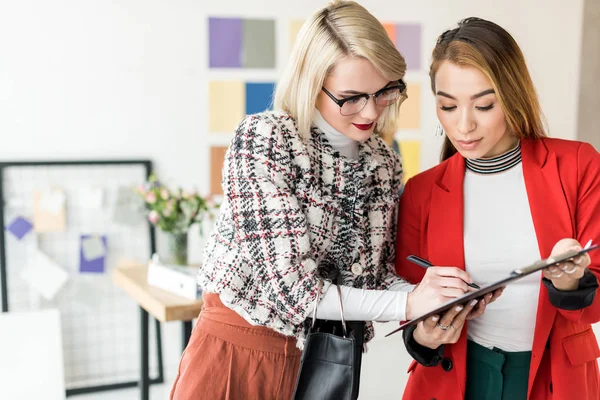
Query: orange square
x,y
391,31
217,159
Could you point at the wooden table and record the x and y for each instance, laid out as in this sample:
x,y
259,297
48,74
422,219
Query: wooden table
x,y
162,305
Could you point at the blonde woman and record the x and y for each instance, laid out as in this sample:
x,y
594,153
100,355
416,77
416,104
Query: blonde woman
x,y
310,202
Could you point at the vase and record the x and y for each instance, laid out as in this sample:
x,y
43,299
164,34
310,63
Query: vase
x,y
177,244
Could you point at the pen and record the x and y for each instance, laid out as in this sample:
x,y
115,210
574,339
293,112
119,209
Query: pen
x,y
426,264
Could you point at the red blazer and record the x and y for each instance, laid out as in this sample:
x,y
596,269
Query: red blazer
x,y
562,179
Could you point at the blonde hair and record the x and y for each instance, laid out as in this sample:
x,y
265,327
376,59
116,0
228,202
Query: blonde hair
x,y
493,51
343,28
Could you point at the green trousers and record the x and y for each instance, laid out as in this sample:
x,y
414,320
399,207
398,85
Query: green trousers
x,y
495,374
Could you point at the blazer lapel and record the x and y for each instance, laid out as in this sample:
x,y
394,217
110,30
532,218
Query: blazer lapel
x,y
552,222
445,239
446,217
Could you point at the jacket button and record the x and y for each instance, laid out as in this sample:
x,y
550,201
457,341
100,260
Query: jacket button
x,y
357,269
447,364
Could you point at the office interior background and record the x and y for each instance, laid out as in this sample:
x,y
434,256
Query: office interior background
x,y
167,82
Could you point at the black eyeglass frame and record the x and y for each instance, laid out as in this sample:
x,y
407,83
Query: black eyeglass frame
x,y
340,102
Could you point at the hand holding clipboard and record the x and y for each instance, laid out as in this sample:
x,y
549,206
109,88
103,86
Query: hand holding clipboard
x,y
515,275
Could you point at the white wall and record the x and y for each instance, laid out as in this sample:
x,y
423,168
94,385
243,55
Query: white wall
x,y
589,84
129,78
122,79
97,79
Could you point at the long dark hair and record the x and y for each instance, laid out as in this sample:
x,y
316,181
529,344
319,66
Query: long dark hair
x,y
492,50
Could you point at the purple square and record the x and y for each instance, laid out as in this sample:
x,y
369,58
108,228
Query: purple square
x,y
19,227
96,265
408,42
225,42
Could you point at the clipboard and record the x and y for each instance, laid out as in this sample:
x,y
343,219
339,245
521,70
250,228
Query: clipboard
x,y
515,275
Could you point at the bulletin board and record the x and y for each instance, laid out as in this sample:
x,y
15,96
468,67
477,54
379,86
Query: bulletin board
x,y
66,226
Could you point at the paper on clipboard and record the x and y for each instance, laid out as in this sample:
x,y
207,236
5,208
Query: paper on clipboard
x,y
515,275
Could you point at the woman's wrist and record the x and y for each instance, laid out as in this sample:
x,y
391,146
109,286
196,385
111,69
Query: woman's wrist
x,y
408,312
566,286
420,340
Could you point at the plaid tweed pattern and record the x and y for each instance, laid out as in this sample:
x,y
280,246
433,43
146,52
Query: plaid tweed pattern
x,y
294,207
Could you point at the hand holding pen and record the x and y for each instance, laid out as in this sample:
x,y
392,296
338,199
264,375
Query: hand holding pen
x,y
438,286
443,284
426,264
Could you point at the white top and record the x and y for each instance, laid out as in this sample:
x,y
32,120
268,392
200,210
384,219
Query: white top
x,y
359,304
499,236
340,142
366,305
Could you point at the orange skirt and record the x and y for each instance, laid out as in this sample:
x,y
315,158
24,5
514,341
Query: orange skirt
x,y
228,358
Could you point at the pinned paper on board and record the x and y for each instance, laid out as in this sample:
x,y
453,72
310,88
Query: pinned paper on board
x,y
410,110
19,227
44,275
92,255
129,207
241,43
90,197
410,153
49,210
15,203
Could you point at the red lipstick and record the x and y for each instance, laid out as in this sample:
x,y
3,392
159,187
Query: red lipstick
x,y
364,127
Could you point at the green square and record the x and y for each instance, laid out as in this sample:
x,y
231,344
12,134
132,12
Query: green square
x,y
258,43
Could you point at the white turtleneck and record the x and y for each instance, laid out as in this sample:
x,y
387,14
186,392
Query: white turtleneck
x,y
340,142
499,236
359,304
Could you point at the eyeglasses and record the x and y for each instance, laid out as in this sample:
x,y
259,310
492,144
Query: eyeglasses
x,y
383,98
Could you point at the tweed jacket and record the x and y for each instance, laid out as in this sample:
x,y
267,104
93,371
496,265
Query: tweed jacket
x,y
293,208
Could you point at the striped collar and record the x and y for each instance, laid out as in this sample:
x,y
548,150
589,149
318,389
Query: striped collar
x,y
497,164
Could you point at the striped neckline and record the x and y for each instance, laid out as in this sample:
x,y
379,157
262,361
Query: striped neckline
x,y
494,165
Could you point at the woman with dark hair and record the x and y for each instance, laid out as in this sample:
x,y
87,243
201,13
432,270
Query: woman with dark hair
x,y
503,196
